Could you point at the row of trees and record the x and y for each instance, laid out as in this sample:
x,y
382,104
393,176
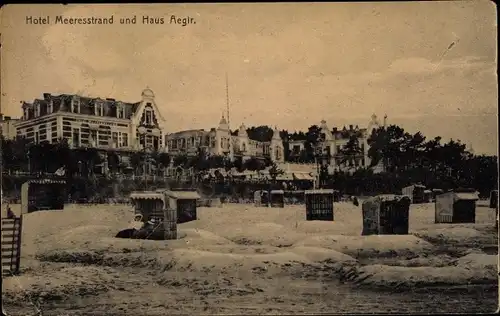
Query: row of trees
x,y
411,158
19,155
405,156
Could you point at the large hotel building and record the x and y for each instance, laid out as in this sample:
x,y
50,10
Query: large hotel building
x,y
109,124
95,122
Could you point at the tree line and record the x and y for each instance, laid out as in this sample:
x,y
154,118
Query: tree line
x,y
45,157
412,158
406,158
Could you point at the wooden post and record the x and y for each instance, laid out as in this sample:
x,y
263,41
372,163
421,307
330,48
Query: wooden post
x,y
170,223
18,244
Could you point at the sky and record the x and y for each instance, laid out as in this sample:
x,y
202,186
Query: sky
x,y
430,66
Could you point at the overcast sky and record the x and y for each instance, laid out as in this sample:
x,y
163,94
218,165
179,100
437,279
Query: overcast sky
x,y
289,65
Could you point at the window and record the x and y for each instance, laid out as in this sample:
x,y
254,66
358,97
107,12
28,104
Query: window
x,y
37,137
99,109
76,106
93,137
37,110
49,107
338,149
114,139
120,111
190,142
142,141
124,142
362,147
149,118
149,141
76,137
155,143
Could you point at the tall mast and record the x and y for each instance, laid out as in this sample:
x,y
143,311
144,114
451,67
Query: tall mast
x,y
227,99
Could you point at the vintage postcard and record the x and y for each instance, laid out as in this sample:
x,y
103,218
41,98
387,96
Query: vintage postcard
x,y
249,158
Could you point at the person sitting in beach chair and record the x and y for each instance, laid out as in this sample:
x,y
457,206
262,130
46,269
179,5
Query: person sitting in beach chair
x,y
147,230
10,214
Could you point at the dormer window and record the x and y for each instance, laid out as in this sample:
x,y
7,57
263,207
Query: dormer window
x,y
76,105
120,111
50,107
37,110
99,109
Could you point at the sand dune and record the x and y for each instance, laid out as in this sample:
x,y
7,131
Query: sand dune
x,y
472,269
74,251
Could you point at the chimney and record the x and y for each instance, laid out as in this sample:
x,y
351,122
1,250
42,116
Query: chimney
x,y
7,118
46,96
350,127
334,130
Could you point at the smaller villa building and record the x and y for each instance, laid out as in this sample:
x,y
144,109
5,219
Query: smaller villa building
x,y
220,141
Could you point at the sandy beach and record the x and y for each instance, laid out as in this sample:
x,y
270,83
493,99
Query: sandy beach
x,y
242,259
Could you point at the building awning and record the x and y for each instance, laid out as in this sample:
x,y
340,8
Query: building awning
x,y
183,195
277,192
303,176
45,181
238,174
285,177
466,196
319,191
146,196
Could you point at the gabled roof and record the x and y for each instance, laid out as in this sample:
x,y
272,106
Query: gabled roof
x,y
62,102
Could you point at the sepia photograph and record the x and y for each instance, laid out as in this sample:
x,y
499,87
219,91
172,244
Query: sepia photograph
x,y
249,158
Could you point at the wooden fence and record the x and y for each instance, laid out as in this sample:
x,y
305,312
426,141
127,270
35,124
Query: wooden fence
x,y
11,245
